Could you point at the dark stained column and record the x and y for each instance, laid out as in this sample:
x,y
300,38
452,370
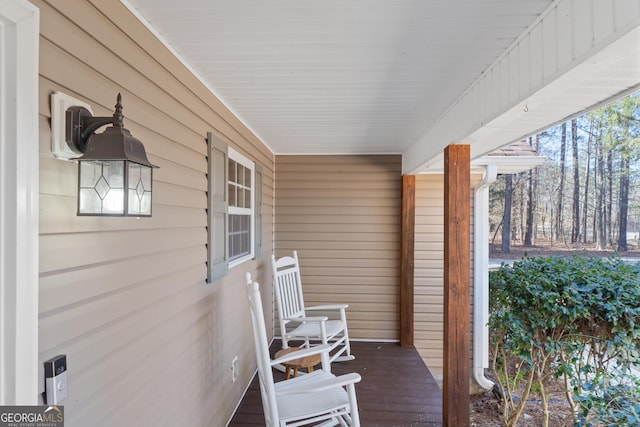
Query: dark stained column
x,y
457,277
406,259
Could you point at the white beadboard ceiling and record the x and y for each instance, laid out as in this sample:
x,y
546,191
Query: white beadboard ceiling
x,y
339,76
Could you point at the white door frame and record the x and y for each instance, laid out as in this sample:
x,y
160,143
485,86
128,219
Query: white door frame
x,y
19,38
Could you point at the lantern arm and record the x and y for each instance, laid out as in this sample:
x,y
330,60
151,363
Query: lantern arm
x,y
93,124
80,125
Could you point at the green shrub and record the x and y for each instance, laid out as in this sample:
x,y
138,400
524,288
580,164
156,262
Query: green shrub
x,y
612,403
575,318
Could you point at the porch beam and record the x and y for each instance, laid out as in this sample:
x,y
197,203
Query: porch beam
x,y
407,259
457,279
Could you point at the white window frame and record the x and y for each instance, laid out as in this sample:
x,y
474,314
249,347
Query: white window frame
x,y
232,210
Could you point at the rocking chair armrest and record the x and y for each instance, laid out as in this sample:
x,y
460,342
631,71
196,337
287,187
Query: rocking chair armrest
x,y
316,349
327,307
325,384
307,319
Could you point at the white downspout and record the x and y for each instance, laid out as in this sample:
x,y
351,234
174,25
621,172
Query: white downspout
x,y
481,277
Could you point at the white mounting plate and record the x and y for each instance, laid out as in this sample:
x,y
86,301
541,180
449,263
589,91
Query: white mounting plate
x,y
59,104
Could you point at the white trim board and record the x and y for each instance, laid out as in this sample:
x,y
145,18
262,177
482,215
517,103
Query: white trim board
x,y
19,40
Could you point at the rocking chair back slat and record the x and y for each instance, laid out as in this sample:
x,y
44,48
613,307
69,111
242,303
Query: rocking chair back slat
x,y
289,287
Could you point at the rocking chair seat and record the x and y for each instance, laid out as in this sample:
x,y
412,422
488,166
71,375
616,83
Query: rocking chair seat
x,y
312,330
302,397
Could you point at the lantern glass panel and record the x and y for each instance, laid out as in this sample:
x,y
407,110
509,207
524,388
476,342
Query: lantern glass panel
x,y
90,173
113,203
101,187
113,172
89,202
145,177
139,189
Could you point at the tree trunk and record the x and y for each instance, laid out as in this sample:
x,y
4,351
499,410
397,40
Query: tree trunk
x,y
599,215
609,204
587,173
521,208
505,247
563,154
528,234
575,220
624,204
536,180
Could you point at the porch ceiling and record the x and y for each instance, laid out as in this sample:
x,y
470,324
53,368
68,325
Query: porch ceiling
x,y
344,77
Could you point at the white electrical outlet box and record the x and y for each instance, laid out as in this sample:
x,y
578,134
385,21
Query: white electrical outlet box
x,y
59,104
55,377
234,369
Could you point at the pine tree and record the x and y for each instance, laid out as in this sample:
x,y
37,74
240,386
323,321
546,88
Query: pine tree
x,y
575,220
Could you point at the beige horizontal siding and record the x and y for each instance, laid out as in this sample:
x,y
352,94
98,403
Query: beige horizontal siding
x,y
342,215
354,211
429,264
164,217
428,273
126,299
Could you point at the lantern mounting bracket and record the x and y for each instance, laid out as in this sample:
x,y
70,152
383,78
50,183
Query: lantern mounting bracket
x,y
81,124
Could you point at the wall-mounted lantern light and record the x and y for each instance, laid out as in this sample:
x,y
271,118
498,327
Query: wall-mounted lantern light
x,y
114,175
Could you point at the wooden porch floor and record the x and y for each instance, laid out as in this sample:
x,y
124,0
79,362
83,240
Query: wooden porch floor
x,y
397,389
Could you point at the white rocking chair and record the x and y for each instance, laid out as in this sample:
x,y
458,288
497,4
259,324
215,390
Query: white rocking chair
x,y
318,398
291,309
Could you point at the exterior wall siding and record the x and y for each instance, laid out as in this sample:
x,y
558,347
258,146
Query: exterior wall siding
x,y
148,341
342,215
429,273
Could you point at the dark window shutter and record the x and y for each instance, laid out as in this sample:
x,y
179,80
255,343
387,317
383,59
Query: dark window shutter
x,y
217,241
257,191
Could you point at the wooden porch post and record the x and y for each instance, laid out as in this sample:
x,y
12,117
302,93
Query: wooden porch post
x,y
457,276
407,262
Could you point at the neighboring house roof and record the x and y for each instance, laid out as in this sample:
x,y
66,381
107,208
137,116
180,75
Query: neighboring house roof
x,y
513,158
519,149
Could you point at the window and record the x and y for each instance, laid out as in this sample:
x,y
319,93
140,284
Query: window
x,y
234,208
240,208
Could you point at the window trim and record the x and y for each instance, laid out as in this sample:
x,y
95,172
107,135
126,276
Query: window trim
x,y
232,210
